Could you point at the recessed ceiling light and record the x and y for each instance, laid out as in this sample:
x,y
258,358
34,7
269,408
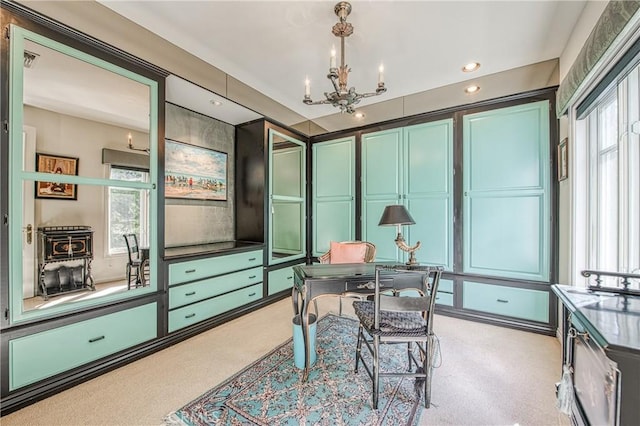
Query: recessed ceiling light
x,y
215,102
471,66
472,89
359,115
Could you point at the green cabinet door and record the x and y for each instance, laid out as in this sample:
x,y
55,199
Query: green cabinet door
x,y
428,190
333,193
507,192
411,166
381,186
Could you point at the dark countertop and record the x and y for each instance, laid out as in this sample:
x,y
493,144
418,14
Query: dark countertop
x,y
203,250
612,320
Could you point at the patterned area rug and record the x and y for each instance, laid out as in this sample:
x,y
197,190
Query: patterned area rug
x,y
269,391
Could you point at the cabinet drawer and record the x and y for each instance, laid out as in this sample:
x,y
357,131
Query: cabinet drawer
x,y
280,279
41,355
509,301
200,311
200,290
445,286
203,268
444,298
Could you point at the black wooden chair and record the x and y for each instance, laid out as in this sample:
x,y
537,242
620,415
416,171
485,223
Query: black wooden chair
x,y
136,265
393,318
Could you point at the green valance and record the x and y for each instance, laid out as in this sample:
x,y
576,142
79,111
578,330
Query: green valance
x,y
613,20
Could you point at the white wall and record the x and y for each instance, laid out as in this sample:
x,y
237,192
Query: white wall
x,y
69,136
590,15
581,31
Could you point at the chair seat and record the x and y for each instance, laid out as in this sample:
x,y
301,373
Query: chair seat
x,y
390,322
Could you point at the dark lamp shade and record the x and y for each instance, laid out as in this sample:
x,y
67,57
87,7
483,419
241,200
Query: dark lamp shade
x,y
396,215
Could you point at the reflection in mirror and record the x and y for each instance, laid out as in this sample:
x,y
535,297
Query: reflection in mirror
x,y
287,185
77,113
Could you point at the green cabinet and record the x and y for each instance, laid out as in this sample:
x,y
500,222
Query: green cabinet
x,y
507,220
210,287
445,293
411,166
287,198
41,355
193,270
191,314
280,279
513,302
333,193
203,288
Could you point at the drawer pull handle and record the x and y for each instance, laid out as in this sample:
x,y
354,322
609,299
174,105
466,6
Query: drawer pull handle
x,y
289,278
437,297
95,339
252,294
189,316
189,271
502,301
252,277
191,293
252,259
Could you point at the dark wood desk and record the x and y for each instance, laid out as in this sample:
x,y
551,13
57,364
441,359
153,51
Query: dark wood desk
x,y
312,281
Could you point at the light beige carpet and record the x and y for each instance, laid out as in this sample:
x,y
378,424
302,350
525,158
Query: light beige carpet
x,y
489,375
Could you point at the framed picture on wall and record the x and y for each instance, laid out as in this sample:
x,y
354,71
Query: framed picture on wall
x,y
56,164
195,173
563,160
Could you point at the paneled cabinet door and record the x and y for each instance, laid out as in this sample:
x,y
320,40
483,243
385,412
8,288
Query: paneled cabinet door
x,y
428,190
333,193
411,166
507,192
381,186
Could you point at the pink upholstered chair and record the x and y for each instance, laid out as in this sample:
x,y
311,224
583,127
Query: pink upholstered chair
x,y
349,252
344,247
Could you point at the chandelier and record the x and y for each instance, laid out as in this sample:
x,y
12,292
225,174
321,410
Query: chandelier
x,y
341,97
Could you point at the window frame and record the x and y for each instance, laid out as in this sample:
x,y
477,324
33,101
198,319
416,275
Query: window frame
x,y
145,208
587,157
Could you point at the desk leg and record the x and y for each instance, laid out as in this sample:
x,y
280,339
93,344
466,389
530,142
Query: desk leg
x,y
304,323
295,294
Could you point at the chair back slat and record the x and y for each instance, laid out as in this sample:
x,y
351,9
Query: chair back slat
x,y
404,304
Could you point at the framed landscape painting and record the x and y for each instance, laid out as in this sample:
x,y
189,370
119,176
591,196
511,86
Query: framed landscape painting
x,y
195,173
59,165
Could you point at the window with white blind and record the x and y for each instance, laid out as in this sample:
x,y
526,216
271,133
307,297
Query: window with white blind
x,y
609,131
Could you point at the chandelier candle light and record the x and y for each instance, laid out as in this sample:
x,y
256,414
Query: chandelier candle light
x,y
341,97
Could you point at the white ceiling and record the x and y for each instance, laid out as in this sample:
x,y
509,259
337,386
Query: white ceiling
x,y
273,45
64,84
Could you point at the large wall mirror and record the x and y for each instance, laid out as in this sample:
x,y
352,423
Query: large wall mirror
x,y
287,201
76,185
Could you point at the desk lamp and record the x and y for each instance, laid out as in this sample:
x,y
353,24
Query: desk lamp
x,y
398,215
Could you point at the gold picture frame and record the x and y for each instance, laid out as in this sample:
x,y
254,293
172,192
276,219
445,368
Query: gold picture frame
x,y
56,164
